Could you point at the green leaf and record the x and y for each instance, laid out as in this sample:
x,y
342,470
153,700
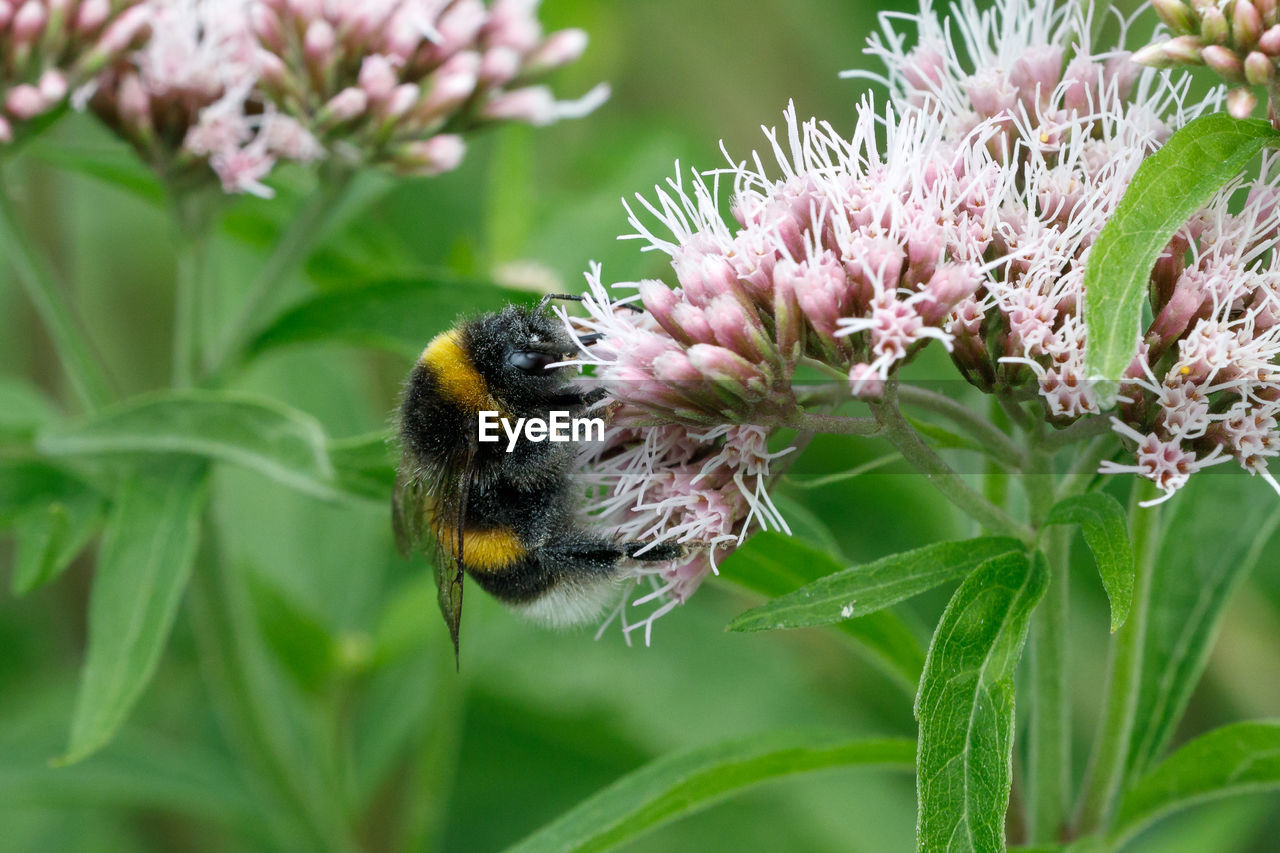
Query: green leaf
x,y
857,591
22,409
1206,551
1237,759
1167,189
773,564
51,537
54,515
282,443
113,164
682,784
146,558
365,465
964,764
400,315
1103,522
296,636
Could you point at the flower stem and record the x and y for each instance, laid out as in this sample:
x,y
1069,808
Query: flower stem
x,y
921,457
289,252
84,369
1049,750
835,424
1110,757
962,416
193,218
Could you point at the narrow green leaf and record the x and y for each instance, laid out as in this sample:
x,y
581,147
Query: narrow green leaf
x,y
146,558
1205,552
365,465
297,637
1103,522
280,442
1167,189
22,409
113,164
682,784
857,591
772,564
400,315
51,537
1237,759
964,764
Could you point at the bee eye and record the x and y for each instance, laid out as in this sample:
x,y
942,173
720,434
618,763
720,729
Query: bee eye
x,y
531,361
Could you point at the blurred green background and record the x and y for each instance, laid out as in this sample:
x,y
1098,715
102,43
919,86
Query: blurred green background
x,y
342,651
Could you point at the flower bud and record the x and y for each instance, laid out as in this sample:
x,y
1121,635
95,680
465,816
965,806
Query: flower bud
x,y
738,328
378,77
499,66
532,104
1223,61
560,48
865,383
348,104
693,322
1269,42
1267,11
742,378
1246,25
1213,26
429,157
1175,15
318,43
6,130
91,15
660,301
1241,103
1258,68
28,24
24,101
53,86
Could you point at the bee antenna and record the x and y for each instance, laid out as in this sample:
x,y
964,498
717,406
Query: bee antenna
x,y
588,340
567,297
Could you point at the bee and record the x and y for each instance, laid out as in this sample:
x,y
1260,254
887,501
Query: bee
x,y
503,512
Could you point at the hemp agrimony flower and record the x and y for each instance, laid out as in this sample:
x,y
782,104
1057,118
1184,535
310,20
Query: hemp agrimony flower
x,y
239,85
52,48
396,82
1239,39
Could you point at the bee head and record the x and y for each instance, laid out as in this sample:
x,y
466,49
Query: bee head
x,y
514,349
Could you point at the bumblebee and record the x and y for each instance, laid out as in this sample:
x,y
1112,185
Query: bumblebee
x,y
505,513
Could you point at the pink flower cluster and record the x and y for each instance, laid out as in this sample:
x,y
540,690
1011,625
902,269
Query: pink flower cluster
x,y
670,483
854,257
396,81
1076,131
239,85
1012,144
52,47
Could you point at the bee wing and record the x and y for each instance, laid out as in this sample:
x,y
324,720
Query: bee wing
x,y
428,509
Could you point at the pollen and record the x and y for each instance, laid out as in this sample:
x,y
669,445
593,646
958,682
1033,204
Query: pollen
x,y
459,380
1184,370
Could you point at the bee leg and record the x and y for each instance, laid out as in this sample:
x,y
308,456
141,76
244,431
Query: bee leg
x,y
603,554
659,553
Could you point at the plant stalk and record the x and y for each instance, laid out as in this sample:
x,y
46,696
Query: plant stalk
x,y
1049,733
1109,761
84,368
922,457
289,253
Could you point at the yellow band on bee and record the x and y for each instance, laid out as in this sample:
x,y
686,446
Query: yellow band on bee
x,y
459,380
489,550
